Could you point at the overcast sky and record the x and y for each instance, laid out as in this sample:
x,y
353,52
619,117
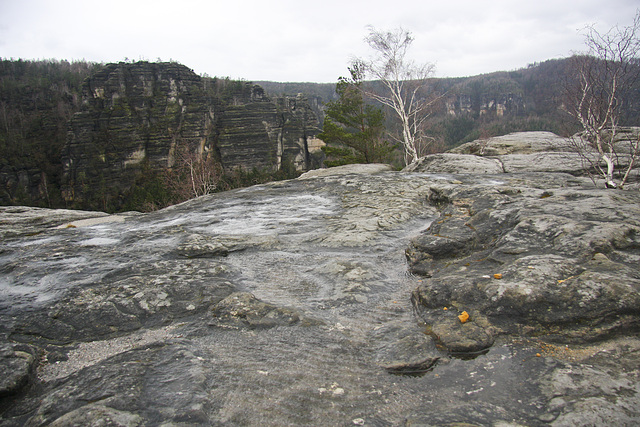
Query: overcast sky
x,y
299,40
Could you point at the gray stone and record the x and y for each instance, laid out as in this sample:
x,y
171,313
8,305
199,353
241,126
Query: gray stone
x,y
366,169
98,415
402,349
299,302
583,394
556,162
242,309
566,258
24,221
516,153
17,368
127,299
203,246
515,143
455,163
462,338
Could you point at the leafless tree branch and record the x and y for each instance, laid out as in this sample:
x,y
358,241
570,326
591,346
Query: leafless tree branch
x,y
597,99
406,85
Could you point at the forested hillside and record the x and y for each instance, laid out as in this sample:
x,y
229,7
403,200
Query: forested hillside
x,y
484,105
38,100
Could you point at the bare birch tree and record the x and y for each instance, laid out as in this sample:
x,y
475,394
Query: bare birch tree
x,y
193,174
406,86
597,99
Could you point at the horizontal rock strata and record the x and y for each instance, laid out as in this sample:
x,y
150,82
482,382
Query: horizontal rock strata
x,y
138,118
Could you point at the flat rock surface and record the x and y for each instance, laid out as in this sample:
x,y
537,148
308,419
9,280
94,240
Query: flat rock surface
x,y
456,163
517,152
333,300
515,143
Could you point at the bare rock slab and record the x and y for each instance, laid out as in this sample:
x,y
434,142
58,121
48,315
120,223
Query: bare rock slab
x,y
243,309
402,349
299,303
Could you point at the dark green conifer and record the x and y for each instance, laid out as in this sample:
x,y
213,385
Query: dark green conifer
x,y
354,130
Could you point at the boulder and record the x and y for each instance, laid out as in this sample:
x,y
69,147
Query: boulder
x,y
515,143
551,161
402,349
367,169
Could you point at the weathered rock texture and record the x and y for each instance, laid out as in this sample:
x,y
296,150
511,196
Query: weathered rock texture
x,y
566,257
486,105
522,152
292,303
136,117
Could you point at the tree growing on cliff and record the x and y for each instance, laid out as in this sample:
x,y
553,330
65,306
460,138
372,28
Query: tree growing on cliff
x,y
354,130
407,91
603,79
192,174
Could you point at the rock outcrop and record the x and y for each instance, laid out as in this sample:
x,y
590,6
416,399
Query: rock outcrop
x,y
522,152
136,119
495,105
353,296
532,258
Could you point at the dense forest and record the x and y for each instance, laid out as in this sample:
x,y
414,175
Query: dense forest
x,y
37,99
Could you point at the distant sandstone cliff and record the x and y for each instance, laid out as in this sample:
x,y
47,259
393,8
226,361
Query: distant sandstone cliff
x,y
135,116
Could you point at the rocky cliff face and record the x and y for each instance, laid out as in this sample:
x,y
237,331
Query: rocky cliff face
x,y
136,116
486,105
265,133
133,113
349,296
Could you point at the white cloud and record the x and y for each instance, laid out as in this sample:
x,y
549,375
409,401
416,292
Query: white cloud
x,y
289,40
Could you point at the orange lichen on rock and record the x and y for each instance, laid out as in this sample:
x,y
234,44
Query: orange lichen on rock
x,y
497,276
463,317
564,280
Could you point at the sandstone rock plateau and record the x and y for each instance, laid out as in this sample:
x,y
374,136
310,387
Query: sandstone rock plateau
x,y
334,299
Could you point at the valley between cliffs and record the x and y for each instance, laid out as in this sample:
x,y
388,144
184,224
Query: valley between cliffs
x,y
333,299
